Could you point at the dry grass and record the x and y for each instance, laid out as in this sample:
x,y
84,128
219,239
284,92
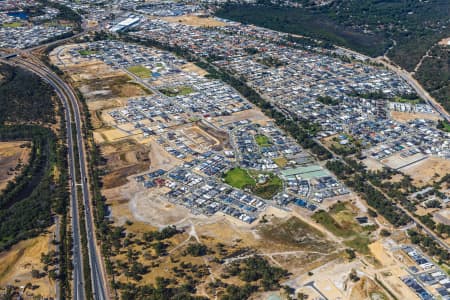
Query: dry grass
x,y
281,162
372,164
294,234
16,265
367,289
191,67
428,170
11,154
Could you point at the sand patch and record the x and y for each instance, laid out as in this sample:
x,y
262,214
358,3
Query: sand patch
x,y
404,117
427,171
195,21
17,263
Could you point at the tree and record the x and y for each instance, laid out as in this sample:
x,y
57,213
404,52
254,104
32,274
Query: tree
x,y
197,249
35,273
384,232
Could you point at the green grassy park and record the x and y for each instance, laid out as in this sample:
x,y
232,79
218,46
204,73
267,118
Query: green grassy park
x,y
12,25
140,71
245,179
262,140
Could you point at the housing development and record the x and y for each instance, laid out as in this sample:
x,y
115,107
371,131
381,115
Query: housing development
x,y
212,159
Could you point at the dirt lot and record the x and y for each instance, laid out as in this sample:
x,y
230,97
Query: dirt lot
x,y
160,158
98,81
195,21
220,135
201,140
405,117
254,115
96,108
16,265
366,288
425,172
123,158
396,161
191,67
111,87
11,154
150,206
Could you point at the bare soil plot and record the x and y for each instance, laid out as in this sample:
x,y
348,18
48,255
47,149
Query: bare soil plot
x,y
90,70
124,158
109,135
96,108
366,288
111,87
191,67
160,158
427,171
254,115
329,278
443,216
11,155
384,257
152,207
396,161
220,135
201,139
195,21
98,81
405,117
17,263
391,279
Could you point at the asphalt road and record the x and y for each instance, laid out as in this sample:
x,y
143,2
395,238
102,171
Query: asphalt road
x,y
67,96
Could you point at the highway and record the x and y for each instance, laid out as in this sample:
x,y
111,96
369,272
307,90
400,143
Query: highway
x,y
68,98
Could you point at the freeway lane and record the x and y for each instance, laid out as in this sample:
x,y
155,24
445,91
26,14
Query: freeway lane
x,y
78,281
98,282
97,274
